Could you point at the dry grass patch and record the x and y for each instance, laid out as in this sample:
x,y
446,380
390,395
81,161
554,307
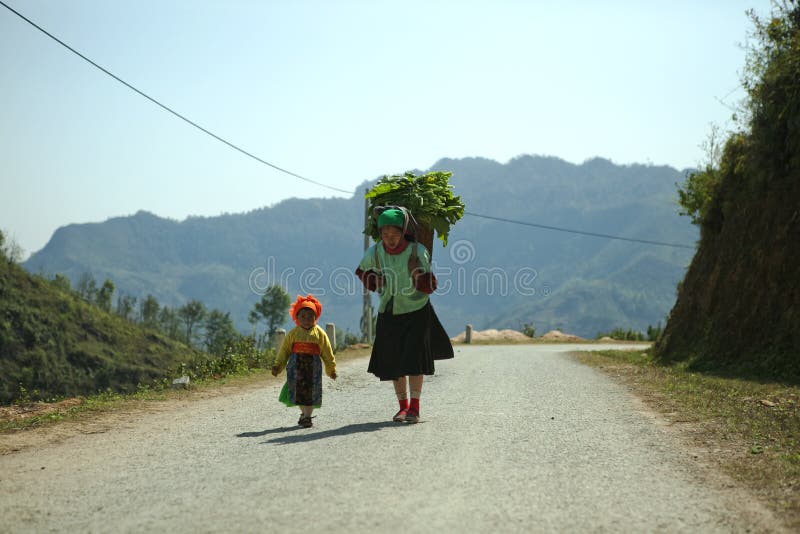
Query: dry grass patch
x,y
749,429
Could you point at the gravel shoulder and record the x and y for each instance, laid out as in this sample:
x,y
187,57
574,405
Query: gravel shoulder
x,y
517,438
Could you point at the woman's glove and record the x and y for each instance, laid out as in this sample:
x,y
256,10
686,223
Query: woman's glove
x,y
425,282
371,280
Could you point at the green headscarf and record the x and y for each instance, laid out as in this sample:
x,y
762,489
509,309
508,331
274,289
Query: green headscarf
x,y
392,217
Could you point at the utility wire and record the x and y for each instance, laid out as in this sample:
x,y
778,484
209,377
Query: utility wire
x,y
250,155
167,108
580,232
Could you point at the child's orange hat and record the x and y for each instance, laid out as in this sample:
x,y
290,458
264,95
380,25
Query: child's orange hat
x,y
310,302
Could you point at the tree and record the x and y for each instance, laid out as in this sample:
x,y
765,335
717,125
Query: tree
x,y
62,283
219,332
10,249
169,323
697,191
191,314
87,287
272,308
149,311
15,252
104,295
125,306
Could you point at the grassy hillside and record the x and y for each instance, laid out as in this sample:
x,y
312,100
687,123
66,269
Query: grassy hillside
x,y
738,309
57,345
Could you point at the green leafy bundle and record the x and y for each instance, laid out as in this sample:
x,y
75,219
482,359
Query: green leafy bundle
x,y
428,197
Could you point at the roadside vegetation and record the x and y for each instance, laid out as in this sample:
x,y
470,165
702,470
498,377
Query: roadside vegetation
x,y
737,307
725,372
25,414
240,360
58,341
622,334
242,369
749,428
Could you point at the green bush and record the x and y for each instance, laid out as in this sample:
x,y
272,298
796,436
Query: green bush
x,y
351,339
696,193
240,356
622,335
528,330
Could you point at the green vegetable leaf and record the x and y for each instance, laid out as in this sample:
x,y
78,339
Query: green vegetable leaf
x,y
428,197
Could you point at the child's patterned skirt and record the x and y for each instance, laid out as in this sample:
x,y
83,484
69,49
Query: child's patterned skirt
x,y
303,385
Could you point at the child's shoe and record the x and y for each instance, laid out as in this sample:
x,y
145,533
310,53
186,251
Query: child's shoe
x,y
305,422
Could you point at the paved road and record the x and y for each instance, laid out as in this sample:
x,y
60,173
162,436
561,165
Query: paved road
x,y
513,439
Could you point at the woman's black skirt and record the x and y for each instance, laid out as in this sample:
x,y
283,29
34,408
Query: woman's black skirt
x,y
407,344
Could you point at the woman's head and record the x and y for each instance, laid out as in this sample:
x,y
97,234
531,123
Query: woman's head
x,y
392,236
391,223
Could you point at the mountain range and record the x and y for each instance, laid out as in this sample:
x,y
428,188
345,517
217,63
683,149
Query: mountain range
x,y
493,273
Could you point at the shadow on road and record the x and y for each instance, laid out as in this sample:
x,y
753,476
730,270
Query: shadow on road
x,y
343,431
267,431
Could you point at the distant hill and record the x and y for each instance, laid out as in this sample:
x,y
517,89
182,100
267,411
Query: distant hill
x,y
58,345
493,274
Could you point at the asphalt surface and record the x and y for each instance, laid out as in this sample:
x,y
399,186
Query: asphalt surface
x,y
517,438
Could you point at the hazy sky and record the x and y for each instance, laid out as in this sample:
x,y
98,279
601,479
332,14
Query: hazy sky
x,y
340,92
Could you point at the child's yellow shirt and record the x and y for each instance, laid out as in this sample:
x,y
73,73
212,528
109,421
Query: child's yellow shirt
x,y
311,341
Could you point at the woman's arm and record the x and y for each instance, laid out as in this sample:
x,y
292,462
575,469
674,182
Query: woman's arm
x,y
367,271
424,279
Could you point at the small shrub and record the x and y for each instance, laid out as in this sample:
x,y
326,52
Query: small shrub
x,y
622,335
528,330
654,332
240,356
350,339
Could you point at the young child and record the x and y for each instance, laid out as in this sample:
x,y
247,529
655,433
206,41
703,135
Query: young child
x,y
303,352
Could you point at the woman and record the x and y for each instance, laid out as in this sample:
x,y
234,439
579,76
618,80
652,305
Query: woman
x,y
409,336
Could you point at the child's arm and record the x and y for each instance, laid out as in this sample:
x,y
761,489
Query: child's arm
x,y
283,354
326,353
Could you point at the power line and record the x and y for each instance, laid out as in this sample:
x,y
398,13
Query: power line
x,y
167,108
580,232
250,155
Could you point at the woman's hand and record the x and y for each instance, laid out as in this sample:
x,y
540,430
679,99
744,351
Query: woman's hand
x,y
276,371
333,375
425,282
372,280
